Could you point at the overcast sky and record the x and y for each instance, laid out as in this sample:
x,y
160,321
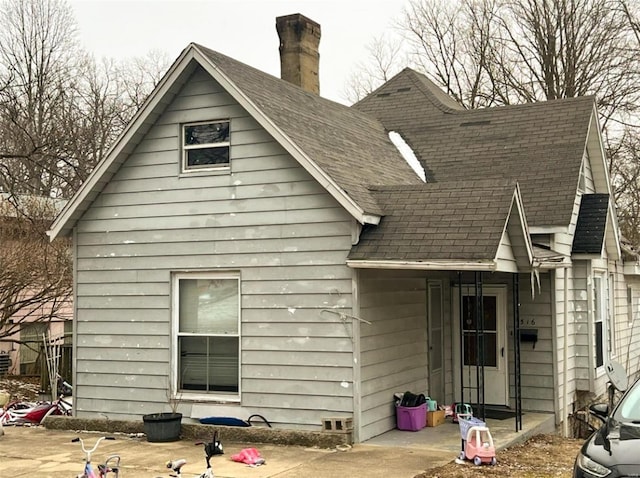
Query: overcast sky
x,y
242,29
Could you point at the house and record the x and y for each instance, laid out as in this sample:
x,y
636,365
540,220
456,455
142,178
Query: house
x,y
259,249
33,305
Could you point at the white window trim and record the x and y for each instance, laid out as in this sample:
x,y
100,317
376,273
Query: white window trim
x,y
611,309
629,305
184,148
603,276
218,397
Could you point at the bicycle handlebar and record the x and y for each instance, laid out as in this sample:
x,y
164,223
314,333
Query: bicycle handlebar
x,y
95,446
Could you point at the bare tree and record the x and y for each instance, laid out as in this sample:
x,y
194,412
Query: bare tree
x,y
37,63
137,77
385,53
492,52
36,279
60,109
455,43
626,174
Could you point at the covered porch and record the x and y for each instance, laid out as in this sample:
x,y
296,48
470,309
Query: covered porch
x,y
446,438
460,306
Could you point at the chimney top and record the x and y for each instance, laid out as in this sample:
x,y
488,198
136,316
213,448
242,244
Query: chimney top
x,y
299,55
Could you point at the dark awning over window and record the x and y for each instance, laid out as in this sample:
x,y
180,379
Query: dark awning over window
x,y
592,221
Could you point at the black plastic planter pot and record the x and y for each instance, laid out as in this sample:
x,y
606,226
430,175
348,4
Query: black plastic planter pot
x,y
162,427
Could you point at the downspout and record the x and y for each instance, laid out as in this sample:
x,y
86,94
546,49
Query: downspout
x,y
565,368
590,327
357,375
74,325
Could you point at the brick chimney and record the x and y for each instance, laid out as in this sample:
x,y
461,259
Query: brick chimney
x,y
299,55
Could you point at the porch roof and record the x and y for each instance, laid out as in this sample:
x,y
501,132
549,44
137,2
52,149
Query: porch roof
x,y
454,225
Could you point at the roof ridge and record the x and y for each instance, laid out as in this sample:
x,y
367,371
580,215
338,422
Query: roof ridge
x,y
433,92
424,85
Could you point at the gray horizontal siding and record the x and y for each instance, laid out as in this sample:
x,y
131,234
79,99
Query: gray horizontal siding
x,y
318,271
266,218
536,361
580,340
128,194
393,348
200,206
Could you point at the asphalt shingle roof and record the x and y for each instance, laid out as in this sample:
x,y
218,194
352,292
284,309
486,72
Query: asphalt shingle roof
x,y
438,221
541,145
353,148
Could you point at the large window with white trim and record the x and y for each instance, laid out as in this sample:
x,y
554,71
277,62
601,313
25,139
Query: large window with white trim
x,y
207,324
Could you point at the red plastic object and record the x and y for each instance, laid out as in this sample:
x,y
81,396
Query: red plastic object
x,y
249,456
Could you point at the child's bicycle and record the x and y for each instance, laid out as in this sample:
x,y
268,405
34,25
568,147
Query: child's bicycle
x,y
214,447
111,464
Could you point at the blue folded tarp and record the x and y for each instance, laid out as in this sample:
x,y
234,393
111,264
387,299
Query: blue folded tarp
x,y
232,421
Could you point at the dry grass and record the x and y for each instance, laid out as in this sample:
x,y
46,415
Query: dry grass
x,y
543,456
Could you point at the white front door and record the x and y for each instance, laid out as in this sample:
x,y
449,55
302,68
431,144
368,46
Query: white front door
x,y
496,384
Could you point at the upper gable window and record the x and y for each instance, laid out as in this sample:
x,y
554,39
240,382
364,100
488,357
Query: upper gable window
x,y
205,146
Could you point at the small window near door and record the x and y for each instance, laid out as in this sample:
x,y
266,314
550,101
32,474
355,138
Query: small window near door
x,y
206,146
475,337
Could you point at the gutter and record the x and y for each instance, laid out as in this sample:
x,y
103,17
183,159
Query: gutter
x,y
489,266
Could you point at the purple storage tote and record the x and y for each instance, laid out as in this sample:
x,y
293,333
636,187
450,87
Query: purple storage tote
x,y
411,418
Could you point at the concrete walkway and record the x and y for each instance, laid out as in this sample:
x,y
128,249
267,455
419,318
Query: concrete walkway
x,y
25,451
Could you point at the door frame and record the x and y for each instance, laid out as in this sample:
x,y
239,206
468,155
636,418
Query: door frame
x,y
440,386
500,292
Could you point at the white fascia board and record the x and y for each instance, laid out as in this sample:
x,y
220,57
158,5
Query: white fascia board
x,y
424,265
594,142
292,148
594,139
611,228
523,221
517,202
102,168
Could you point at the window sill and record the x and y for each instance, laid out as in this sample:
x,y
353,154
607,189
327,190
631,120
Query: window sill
x,y
209,398
223,170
